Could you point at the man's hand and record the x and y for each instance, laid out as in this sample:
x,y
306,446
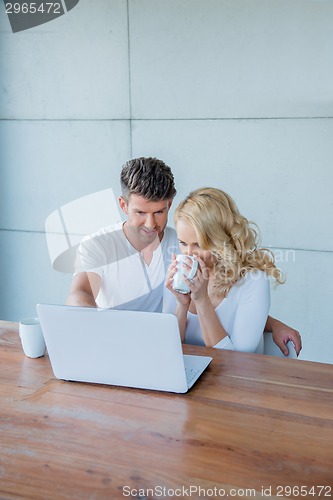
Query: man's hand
x,y
282,334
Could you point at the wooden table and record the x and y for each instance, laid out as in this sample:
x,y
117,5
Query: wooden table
x,y
252,427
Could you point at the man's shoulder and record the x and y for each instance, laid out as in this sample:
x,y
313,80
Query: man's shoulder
x,y
104,231
170,241
104,235
170,236
170,232
117,226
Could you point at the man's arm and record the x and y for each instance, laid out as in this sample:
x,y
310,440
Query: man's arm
x,y
282,334
84,290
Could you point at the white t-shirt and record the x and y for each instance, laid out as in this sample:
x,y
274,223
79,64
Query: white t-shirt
x,y
127,282
243,315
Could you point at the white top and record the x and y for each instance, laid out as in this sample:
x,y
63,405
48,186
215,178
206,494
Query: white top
x,y
243,315
127,282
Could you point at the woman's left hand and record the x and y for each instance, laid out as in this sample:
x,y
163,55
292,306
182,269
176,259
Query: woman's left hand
x,y
199,284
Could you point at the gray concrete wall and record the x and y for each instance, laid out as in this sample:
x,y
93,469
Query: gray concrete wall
x,y
237,94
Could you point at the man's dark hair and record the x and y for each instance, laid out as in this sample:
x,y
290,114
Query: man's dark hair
x,y
147,177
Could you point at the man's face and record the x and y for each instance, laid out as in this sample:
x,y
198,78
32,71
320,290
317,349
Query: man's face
x,y
146,219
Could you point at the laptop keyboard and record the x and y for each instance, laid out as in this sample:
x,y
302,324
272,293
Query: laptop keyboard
x,y
191,374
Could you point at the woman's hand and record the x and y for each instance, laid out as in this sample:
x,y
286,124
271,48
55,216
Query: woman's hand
x,y
199,284
183,299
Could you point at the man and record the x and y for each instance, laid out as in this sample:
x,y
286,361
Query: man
x,y
124,265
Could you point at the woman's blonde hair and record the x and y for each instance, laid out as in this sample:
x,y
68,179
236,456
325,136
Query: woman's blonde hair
x,y
221,229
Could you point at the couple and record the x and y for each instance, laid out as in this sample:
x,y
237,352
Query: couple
x,y
131,265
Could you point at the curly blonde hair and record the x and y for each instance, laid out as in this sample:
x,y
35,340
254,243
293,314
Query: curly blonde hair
x,y
221,229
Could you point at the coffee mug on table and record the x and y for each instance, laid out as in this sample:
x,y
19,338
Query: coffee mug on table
x,y
178,283
32,339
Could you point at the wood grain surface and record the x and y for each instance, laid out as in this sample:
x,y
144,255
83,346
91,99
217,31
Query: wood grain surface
x,y
253,426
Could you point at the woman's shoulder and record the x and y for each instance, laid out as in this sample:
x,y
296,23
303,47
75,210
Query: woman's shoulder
x,y
256,281
254,284
253,279
255,274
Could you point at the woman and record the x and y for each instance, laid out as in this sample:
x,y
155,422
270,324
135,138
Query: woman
x,y
229,298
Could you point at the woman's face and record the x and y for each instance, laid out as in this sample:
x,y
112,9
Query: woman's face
x,y
188,243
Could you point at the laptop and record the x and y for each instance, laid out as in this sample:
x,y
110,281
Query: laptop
x,y
122,348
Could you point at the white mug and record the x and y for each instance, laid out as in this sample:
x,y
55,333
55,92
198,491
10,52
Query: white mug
x,y
178,283
32,338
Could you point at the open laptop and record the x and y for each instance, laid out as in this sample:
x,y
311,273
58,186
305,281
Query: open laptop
x,y
124,348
